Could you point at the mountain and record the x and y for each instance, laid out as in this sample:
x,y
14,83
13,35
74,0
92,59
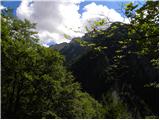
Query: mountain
x,y
100,75
59,46
72,51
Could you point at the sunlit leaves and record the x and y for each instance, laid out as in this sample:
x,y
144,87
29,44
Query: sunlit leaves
x,y
129,9
154,85
67,36
144,28
91,45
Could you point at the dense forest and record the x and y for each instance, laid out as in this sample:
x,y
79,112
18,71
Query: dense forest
x,y
106,74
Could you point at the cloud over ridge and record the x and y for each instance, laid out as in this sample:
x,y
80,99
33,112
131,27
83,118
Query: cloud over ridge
x,y
56,18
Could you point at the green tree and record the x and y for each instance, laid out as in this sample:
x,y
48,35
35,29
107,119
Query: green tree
x,y
35,84
144,29
132,51
115,107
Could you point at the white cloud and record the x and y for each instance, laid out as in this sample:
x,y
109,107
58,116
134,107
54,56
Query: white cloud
x,y
25,10
94,12
2,7
53,18
56,18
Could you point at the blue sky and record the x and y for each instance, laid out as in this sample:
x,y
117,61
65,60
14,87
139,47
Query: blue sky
x,y
110,4
11,4
59,18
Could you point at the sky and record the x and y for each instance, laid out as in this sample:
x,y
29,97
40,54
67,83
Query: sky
x,y
56,18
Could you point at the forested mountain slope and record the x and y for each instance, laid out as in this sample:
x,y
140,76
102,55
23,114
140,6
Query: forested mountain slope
x,y
124,68
111,73
72,51
98,74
